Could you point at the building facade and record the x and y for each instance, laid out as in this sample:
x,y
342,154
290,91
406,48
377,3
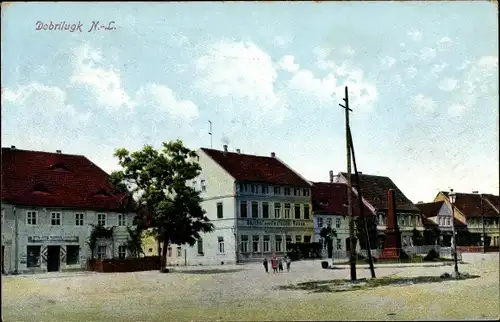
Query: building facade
x,y
257,204
49,203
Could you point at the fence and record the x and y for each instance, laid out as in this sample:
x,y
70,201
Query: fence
x,y
148,263
420,251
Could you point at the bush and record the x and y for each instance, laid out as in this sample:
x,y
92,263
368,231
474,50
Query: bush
x,y
324,264
432,255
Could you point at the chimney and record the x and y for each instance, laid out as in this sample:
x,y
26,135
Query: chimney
x,y
238,151
58,151
391,210
331,176
225,147
273,155
12,147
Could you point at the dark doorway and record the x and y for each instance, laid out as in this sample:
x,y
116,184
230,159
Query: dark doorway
x,y
53,258
3,258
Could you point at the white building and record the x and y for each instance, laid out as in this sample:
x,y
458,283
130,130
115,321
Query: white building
x,y
257,204
49,201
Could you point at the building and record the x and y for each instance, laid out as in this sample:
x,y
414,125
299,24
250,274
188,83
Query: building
x,y
49,202
440,215
374,191
258,204
329,203
472,209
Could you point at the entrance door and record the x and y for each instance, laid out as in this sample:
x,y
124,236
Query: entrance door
x,y
3,257
53,258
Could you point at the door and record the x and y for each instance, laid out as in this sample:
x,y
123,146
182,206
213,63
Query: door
x,y
3,258
53,258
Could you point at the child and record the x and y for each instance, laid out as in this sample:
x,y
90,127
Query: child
x,y
265,265
287,261
274,264
280,265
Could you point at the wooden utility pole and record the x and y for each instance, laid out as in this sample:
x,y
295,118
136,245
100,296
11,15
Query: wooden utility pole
x,y
352,241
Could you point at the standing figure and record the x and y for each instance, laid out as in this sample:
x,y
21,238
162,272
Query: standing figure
x,y
274,264
280,265
288,262
265,264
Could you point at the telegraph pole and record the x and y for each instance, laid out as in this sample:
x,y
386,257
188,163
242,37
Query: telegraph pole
x,y
352,242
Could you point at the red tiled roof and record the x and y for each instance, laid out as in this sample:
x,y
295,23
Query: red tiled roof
x,y
428,223
430,209
252,168
330,198
44,179
374,190
469,204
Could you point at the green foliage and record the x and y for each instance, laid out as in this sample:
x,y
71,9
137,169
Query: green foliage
x,y
159,180
134,241
371,224
98,232
417,237
431,235
328,233
432,255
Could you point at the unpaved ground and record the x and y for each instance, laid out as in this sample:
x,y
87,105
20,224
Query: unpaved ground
x,y
249,294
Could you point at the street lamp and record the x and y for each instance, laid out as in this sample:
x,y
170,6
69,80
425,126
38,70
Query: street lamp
x,y
452,198
233,230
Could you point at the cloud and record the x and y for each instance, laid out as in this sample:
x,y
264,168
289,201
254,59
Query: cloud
x,y
104,83
411,72
415,35
447,84
287,63
456,110
321,88
347,51
422,103
164,99
436,69
387,61
427,53
281,41
240,71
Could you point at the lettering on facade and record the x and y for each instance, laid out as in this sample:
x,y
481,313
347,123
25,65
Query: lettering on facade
x,y
269,223
39,239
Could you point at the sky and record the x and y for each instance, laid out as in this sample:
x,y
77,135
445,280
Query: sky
x,y
422,81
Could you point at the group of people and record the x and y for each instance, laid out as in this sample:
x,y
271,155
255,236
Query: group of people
x,y
277,264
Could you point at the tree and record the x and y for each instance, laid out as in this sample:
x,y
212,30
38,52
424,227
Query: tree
x,y
328,233
371,224
417,237
159,180
134,241
431,236
98,232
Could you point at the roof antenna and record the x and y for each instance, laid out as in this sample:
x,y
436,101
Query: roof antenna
x,y
210,132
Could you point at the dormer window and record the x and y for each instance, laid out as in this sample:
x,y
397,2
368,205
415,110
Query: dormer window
x,y
40,187
59,167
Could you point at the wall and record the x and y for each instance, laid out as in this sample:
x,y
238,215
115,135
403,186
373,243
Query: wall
x,y
342,232
67,228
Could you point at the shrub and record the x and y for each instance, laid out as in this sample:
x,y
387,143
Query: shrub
x,y
432,255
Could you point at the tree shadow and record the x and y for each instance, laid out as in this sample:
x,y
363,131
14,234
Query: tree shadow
x,y
208,271
332,286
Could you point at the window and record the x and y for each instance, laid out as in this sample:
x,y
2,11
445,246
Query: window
x,y
243,209
193,184
244,187
55,219
101,219
265,190
277,210
31,218
79,219
122,220
179,251
403,221
33,256
220,241
277,190
255,243
297,211
307,239
199,243
3,216
101,252
203,185
338,222
298,238
266,244
288,241
169,251
296,192
244,244
278,241
329,222
305,192
220,213
339,243
320,222
265,210
255,209
72,255
254,188
287,210
287,191
306,212
122,251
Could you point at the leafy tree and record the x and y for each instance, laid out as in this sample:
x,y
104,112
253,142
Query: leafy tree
x,y
134,241
431,236
328,233
417,237
371,224
159,180
98,232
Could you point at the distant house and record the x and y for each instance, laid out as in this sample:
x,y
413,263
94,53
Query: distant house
x,y
374,191
49,201
472,209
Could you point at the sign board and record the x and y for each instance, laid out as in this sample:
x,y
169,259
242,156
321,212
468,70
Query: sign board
x,y
39,239
275,223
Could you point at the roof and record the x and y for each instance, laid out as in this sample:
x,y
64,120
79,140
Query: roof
x,y
45,179
252,168
374,190
430,209
469,204
428,223
331,198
